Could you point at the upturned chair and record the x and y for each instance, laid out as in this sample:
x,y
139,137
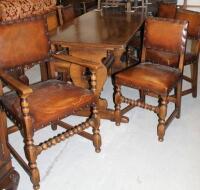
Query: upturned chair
x,y
156,80
25,43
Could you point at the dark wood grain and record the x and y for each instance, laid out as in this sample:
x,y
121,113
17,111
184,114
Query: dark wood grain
x,y
106,29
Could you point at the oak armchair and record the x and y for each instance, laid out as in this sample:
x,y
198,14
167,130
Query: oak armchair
x,y
43,104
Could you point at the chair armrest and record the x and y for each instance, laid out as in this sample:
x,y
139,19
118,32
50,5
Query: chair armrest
x,y
20,87
82,62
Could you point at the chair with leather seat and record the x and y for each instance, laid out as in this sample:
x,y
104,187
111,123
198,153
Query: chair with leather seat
x,y
156,80
45,103
192,54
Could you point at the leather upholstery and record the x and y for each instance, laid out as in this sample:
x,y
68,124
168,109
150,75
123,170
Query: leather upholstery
x,y
161,48
167,10
159,79
162,57
170,59
15,9
157,36
26,48
194,22
57,100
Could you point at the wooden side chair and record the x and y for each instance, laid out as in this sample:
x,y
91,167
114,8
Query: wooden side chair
x,y
192,55
167,10
155,79
25,43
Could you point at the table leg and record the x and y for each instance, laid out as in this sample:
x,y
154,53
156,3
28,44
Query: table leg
x,y
76,73
118,64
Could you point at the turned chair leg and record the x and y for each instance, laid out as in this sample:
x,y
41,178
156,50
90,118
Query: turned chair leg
x,y
96,131
194,76
162,115
117,101
31,156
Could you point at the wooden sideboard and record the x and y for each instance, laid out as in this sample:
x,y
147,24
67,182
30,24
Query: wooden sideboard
x,y
9,178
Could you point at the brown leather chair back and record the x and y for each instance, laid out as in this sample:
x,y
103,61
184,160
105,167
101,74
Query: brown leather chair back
x,y
167,10
194,22
164,35
22,43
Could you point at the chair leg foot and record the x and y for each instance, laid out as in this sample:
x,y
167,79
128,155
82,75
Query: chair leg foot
x,y
54,127
178,115
117,123
36,187
160,139
161,132
97,140
35,175
194,94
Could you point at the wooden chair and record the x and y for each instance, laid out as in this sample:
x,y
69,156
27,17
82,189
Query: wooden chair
x,y
155,79
167,10
45,103
191,56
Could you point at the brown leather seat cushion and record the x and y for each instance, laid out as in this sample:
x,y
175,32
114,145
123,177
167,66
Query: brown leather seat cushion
x,y
159,79
49,100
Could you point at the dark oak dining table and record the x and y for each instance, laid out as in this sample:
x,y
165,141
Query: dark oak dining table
x,y
99,36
